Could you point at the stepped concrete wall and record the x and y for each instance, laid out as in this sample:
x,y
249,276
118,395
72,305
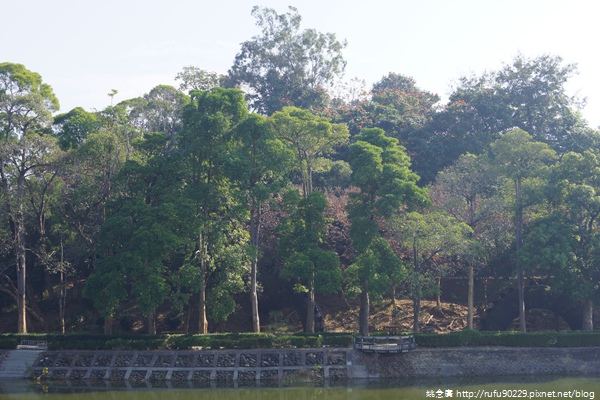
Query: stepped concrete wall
x,y
207,365
322,363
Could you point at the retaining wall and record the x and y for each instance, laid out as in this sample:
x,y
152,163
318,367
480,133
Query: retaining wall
x,y
208,365
476,362
328,363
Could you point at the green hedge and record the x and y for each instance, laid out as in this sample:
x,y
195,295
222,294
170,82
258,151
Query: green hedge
x,y
509,338
298,340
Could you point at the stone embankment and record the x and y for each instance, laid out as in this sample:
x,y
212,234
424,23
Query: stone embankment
x,y
323,363
207,365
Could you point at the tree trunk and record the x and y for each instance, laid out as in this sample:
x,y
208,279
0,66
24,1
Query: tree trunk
x,y
108,325
62,302
310,315
393,297
470,298
438,297
202,320
21,299
417,311
255,221
20,252
520,267
151,321
364,313
588,316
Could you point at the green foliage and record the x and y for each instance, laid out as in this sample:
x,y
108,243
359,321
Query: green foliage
x,y
74,127
285,66
302,232
380,170
26,103
9,343
511,338
310,138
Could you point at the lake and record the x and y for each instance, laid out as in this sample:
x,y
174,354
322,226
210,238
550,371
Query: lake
x,y
506,387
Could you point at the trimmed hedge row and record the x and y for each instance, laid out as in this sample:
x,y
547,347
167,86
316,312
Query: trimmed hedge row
x,y
155,342
509,338
269,340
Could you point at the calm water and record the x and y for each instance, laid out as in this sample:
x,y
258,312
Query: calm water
x,y
575,388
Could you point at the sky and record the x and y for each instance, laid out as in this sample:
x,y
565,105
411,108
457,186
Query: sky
x,y
86,48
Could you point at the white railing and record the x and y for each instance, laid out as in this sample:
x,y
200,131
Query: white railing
x,y
385,344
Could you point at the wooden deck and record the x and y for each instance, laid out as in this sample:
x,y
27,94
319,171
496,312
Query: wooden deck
x,y
385,344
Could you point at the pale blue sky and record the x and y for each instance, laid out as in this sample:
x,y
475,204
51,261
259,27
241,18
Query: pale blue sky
x,y
83,49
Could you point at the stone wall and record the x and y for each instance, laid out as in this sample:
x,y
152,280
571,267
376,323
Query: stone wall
x,y
333,364
207,365
476,361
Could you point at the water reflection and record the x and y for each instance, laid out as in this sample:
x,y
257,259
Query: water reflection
x,y
529,387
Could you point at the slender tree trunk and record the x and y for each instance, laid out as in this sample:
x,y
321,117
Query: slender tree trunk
x,y
108,325
393,296
470,298
62,302
22,293
255,222
310,315
438,297
21,272
364,313
203,321
520,267
417,311
588,316
151,321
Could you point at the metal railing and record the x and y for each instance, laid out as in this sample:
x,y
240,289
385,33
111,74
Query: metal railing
x,y
385,344
33,344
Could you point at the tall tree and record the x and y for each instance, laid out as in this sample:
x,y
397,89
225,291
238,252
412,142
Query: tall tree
x,y
143,230
26,106
527,93
426,237
258,166
194,78
381,172
310,138
464,190
518,158
73,127
209,124
316,269
567,241
535,93
285,66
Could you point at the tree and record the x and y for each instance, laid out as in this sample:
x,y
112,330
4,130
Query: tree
x,y
518,158
310,138
381,172
162,111
257,166
26,106
73,127
194,78
534,91
143,231
464,190
316,270
284,66
426,237
527,93
567,241
209,124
